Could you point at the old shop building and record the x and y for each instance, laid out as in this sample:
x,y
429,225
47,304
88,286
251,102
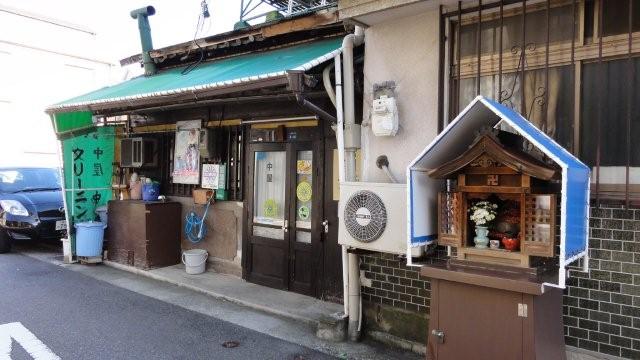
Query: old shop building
x,y
571,68
258,98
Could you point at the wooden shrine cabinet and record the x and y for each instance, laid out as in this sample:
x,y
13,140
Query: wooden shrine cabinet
x,y
488,302
487,315
514,181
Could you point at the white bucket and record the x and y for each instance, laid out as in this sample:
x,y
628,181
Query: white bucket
x,y
194,261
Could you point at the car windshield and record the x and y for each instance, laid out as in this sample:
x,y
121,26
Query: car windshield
x,y
24,180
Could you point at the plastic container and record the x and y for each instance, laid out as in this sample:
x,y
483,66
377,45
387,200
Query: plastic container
x,y
89,238
194,261
150,191
135,190
102,213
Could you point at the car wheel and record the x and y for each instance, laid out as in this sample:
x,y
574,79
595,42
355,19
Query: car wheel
x,y
5,242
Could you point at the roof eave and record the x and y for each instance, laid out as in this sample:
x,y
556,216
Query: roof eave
x,y
173,97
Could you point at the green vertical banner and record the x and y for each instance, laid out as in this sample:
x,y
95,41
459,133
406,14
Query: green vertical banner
x,y
87,162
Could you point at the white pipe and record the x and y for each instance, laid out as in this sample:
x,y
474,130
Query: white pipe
x,y
340,144
354,298
326,79
348,43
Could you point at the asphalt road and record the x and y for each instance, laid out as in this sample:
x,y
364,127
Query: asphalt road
x,y
78,317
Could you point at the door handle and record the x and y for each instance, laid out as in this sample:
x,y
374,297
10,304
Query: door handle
x,y
439,334
325,224
285,227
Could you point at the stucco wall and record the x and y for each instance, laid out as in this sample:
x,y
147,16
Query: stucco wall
x,y
224,234
404,51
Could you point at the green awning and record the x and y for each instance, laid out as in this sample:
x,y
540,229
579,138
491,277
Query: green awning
x,y
224,73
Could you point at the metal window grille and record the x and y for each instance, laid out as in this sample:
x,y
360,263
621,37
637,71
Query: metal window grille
x,y
567,65
231,154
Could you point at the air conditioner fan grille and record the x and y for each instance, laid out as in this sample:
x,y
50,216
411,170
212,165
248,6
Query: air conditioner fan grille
x,y
365,216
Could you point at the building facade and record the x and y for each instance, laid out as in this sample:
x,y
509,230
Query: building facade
x,y
259,97
560,64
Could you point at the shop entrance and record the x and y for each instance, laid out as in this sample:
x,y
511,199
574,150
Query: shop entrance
x,y
284,206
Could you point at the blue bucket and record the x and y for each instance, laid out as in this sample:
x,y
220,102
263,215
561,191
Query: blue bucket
x,y
150,192
89,238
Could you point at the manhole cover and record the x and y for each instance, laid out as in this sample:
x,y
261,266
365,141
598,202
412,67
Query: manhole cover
x,y
230,344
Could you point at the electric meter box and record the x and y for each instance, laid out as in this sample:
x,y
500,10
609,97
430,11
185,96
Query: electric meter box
x,y
384,116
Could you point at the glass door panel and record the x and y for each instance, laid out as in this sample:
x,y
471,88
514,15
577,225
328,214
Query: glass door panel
x,y
269,187
304,195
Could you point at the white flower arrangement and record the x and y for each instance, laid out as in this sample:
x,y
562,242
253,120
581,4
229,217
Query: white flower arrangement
x,y
483,212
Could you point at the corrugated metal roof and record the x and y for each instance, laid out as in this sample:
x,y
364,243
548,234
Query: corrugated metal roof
x,y
227,72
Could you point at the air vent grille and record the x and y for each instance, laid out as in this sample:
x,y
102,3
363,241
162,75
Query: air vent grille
x,y
365,216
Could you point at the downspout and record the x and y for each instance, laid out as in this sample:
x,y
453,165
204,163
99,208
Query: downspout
x,y
340,144
326,80
351,140
142,15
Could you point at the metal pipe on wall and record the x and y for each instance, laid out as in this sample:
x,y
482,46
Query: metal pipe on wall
x,y
351,137
326,80
340,144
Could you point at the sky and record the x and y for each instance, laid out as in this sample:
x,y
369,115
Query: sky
x,y
175,21
32,79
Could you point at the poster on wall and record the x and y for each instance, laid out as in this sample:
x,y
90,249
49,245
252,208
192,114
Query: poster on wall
x,y
186,159
210,175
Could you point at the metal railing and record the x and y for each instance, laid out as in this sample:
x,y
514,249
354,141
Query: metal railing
x,y
585,44
285,7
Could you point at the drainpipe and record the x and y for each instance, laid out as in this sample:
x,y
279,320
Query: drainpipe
x,y
340,143
142,15
351,138
326,79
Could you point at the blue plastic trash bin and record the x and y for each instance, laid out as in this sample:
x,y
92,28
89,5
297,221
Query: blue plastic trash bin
x,y
89,238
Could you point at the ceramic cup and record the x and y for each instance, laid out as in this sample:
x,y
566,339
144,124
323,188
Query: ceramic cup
x,y
494,244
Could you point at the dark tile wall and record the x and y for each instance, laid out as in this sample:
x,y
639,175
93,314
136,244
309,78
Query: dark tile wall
x,y
395,284
601,309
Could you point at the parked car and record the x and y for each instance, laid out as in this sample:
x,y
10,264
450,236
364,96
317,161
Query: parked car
x,y
31,205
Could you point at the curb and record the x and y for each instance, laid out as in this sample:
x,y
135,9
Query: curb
x,y
392,340
213,294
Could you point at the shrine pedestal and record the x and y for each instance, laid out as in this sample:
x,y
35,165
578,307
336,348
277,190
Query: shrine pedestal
x,y
483,313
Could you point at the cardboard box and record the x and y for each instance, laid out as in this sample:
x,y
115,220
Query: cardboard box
x,y
202,196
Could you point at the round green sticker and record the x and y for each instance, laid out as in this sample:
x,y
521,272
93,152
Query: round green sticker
x,y
270,208
303,191
303,213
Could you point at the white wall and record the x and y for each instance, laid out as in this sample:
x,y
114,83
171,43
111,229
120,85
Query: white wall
x,y
403,50
41,63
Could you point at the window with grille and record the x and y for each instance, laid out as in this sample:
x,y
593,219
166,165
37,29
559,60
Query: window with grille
x,y
571,67
227,150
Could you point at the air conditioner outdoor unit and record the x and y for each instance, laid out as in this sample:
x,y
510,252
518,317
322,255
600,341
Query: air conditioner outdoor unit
x,y
373,216
138,152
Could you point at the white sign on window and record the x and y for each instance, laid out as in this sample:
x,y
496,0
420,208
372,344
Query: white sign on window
x,y
210,176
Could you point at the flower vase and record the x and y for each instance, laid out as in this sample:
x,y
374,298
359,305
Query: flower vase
x,y
481,240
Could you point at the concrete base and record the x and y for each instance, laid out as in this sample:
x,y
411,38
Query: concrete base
x,y
332,327
395,341
399,323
